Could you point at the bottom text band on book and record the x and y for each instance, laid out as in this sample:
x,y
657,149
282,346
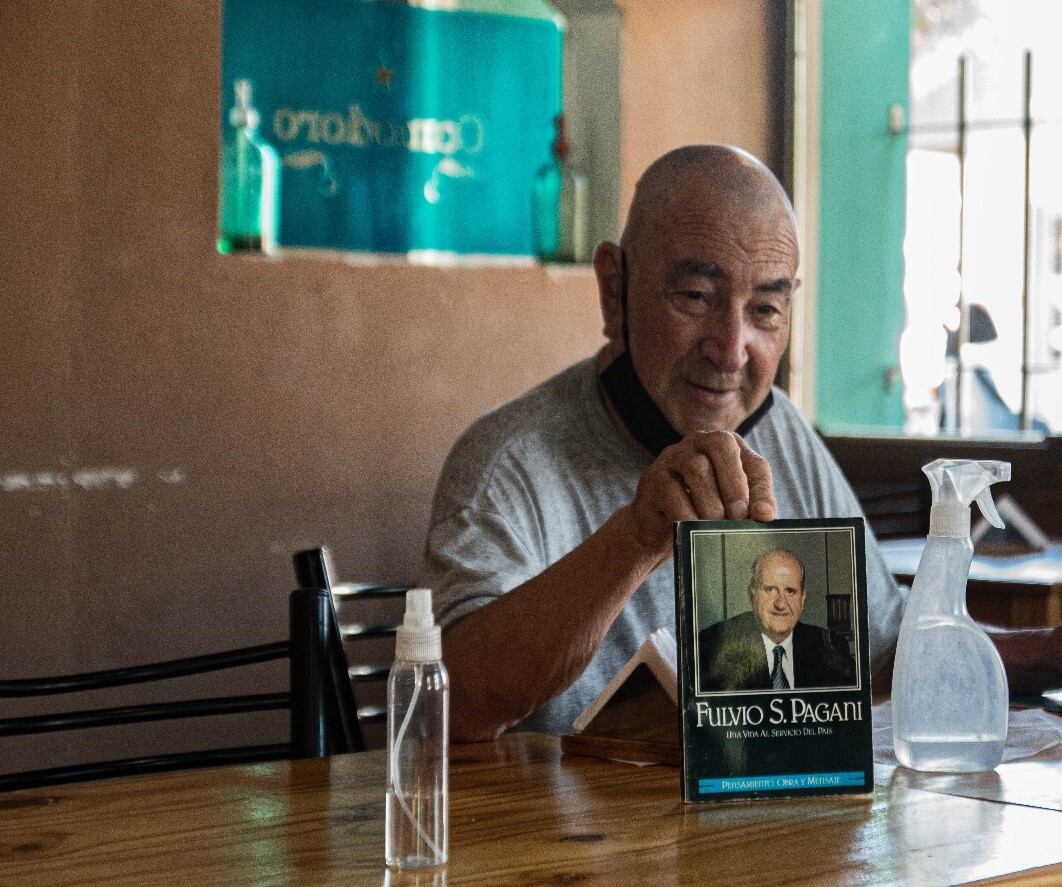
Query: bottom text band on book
x,y
781,783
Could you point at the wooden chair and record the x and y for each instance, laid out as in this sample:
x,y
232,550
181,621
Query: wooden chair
x,y
318,698
314,570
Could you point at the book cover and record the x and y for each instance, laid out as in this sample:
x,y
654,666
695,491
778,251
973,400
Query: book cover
x,y
774,664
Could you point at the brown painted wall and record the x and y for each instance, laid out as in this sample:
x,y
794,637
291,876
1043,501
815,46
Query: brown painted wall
x,y
173,424
694,71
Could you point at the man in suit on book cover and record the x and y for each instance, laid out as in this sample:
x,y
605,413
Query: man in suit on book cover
x,y
768,647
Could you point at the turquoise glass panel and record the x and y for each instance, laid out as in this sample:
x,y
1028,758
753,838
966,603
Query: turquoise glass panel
x,y
400,128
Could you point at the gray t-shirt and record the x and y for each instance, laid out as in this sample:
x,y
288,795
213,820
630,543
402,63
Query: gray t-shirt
x,y
531,480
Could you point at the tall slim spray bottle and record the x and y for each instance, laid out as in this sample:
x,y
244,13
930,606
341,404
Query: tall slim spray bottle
x,y
418,723
249,198
949,689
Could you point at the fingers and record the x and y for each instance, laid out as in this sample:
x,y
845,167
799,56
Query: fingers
x,y
672,502
762,504
723,477
708,475
700,481
725,451
661,500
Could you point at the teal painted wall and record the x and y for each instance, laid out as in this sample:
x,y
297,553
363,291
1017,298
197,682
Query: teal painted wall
x,y
865,53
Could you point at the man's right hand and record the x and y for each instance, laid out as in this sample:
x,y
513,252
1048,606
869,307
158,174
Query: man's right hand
x,y
708,475
553,623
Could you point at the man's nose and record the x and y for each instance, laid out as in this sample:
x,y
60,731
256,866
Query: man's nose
x,y
725,339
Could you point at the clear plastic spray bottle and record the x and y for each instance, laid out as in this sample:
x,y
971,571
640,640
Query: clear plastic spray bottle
x,y
418,724
949,689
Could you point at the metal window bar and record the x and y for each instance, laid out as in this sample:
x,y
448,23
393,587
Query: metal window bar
x,y
962,333
1026,314
963,127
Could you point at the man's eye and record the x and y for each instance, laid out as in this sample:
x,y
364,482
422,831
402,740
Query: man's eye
x,y
690,301
768,314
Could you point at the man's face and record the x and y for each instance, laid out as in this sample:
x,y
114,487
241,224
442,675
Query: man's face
x,y
778,597
708,309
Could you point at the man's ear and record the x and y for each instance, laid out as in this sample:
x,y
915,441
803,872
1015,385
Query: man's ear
x,y
608,265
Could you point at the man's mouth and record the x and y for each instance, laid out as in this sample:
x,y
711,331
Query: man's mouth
x,y
714,390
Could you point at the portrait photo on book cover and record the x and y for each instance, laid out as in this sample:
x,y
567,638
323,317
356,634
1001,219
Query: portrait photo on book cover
x,y
775,609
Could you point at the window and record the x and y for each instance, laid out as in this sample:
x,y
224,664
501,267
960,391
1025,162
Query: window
x,y
929,310
983,292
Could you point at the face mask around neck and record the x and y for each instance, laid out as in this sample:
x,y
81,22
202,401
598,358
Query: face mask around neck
x,y
641,416
634,405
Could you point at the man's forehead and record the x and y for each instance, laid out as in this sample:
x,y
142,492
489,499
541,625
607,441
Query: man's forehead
x,y
687,237
775,562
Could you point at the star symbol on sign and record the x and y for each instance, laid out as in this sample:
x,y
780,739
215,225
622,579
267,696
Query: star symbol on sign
x,y
383,76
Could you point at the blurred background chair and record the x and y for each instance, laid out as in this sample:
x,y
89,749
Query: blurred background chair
x,y
321,710
896,510
367,629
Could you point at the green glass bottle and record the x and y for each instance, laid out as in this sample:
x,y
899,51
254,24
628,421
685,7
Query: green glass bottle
x,y
249,193
561,206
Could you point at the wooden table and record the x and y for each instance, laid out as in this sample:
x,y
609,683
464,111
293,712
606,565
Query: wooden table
x,y
523,814
1017,591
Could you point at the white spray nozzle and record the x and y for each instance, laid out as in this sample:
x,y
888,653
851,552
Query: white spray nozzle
x,y
418,609
418,637
956,484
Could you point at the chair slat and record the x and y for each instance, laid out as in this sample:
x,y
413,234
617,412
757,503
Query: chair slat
x,y
372,714
131,714
149,764
353,631
344,591
368,672
137,674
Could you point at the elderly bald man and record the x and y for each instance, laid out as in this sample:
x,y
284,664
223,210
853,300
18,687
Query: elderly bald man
x,y
550,540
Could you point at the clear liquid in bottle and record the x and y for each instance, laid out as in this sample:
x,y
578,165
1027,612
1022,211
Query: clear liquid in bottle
x,y
417,799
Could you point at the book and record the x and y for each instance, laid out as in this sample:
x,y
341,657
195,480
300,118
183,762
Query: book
x,y
652,670
773,659
635,716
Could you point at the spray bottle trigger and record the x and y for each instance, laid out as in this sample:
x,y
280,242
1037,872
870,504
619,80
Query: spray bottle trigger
x,y
988,507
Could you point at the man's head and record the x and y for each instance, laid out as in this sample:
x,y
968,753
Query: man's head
x,y
776,593
710,256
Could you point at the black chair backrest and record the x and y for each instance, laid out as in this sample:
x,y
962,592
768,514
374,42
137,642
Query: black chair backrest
x,y
314,570
324,715
318,698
